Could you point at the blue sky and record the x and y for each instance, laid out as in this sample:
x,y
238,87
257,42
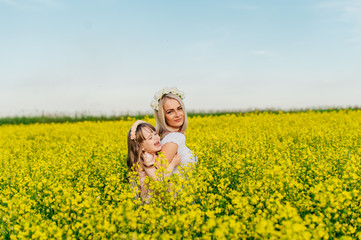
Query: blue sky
x,y
110,57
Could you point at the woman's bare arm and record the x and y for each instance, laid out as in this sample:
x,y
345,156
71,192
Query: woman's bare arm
x,y
169,150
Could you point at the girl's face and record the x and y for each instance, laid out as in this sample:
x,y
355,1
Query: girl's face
x,y
151,143
173,112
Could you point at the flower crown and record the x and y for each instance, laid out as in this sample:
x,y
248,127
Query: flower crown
x,y
158,96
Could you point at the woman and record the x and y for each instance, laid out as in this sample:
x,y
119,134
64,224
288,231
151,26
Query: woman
x,y
172,122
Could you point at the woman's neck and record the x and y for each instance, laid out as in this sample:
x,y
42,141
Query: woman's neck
x,y
173,129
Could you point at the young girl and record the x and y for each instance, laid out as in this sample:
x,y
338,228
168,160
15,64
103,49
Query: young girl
x,y
143,147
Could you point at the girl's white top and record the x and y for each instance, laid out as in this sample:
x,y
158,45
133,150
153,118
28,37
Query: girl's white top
x,y
185,153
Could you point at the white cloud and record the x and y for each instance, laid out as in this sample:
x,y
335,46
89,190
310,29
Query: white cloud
x,y
352,9
207,44
262,53
347,11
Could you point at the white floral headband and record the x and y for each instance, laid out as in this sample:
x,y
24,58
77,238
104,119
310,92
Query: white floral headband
x,y
134,128
158,96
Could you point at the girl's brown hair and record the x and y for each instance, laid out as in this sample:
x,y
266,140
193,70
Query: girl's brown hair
x,y
135,152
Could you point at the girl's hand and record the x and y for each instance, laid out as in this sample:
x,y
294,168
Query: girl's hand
x,y
149,159
176,160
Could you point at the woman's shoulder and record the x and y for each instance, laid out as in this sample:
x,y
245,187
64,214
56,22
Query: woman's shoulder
x,y
176,137
172,135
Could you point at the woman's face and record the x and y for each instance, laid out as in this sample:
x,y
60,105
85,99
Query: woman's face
x,y
151,143
173,112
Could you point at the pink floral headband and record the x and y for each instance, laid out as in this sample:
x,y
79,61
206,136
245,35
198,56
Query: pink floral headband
x,y
134,128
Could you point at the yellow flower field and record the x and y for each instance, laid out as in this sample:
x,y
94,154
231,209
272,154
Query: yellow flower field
x,y
259,176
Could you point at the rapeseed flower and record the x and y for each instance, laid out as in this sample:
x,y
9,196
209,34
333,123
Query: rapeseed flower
x,y
259,175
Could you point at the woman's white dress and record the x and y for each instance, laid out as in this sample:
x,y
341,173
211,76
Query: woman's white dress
x,y
186,154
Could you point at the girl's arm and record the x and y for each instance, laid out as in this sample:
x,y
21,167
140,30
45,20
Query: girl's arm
x,y
150,171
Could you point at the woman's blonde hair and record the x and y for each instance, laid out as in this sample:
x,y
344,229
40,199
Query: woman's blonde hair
x,y
159,115
135,152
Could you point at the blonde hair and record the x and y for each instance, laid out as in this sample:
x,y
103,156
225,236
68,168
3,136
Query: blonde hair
x,y
159,115
135,152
